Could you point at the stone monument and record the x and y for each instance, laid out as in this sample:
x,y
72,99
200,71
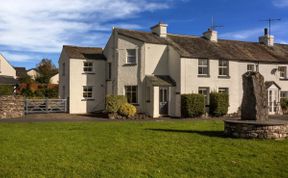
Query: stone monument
x,y
255,97
254,122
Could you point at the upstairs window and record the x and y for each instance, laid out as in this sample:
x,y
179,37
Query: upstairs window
x,y
88,67
88,92
283,72
250,68
131,92
131,56
204,91
203,67
223,68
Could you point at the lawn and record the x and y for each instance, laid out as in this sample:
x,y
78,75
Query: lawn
x,y
135,149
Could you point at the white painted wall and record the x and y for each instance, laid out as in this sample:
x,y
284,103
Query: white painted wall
x,y
55,79
33,74
78,79
6,68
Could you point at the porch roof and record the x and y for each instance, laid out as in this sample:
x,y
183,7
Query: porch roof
x,y
7,80
161,80
268,84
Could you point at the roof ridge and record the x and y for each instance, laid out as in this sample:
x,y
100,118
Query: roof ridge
x,y
73,46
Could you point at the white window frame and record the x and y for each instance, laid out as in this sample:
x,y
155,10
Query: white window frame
x,y
284,72
223,67
129,55
206,96
129,91
201,67
88,67
87,92
252,66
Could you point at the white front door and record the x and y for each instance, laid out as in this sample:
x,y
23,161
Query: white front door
x,y
273,100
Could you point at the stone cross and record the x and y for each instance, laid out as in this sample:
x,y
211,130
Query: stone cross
x,y
255,97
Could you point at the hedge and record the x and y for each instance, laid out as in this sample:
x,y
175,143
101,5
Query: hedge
x,y
6,90
219,103
284,104
113,103
192,105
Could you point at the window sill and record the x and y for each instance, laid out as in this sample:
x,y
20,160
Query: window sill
x,y
283,79
87,73
224,77
203,76
88,99
132,64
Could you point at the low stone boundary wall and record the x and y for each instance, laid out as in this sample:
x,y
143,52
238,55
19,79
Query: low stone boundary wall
x,y
249,129
11,107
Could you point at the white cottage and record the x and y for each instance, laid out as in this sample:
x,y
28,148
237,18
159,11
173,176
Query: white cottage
x,y
7,72
153,69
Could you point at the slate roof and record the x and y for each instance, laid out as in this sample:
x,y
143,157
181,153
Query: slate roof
x,y
161,80
77,52
7,80
199,47
268,84
20,71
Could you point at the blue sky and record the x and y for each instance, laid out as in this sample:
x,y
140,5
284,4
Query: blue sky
x,y
34,29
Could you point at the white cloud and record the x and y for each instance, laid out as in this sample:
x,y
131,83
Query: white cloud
x,y
44,26
17,57
280,3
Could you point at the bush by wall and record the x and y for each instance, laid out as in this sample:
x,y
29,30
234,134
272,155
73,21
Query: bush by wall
x,y
6,90
219,103
192,105
284,105
113,103
127,110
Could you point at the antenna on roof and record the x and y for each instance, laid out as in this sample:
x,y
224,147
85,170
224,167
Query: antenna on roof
x,y
270,20
214,26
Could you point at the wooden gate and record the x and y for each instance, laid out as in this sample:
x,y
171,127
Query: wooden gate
x,y
45,106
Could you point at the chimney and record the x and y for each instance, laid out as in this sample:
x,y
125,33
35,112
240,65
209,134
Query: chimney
x,y
211,35
160,29
267,39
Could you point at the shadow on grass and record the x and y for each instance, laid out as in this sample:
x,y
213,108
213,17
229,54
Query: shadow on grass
x,y
218,134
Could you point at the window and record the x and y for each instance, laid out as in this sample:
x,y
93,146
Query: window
x,y
88,92
223,90
88,67
109,71
250,67
203,67
283,72
131,56
132,94
63,69
283,94
204,91
223,68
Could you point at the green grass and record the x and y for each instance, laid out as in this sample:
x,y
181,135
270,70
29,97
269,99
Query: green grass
x,y
135,149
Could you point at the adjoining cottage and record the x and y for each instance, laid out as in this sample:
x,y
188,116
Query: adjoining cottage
x,y
153,69
7,76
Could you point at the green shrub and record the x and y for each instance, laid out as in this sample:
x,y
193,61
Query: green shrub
x,y
284,104
27,92
6,90
192,105
219,103
127,110
113,103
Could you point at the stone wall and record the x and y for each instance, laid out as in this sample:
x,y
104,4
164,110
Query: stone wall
x,y
11,107
240,129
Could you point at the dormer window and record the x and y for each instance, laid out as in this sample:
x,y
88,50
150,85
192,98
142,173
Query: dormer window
x,y
131,56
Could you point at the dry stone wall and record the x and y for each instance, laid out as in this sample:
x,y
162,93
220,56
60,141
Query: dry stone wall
x,y
11,107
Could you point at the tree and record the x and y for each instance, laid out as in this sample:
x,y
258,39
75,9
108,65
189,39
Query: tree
x,y
46,70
